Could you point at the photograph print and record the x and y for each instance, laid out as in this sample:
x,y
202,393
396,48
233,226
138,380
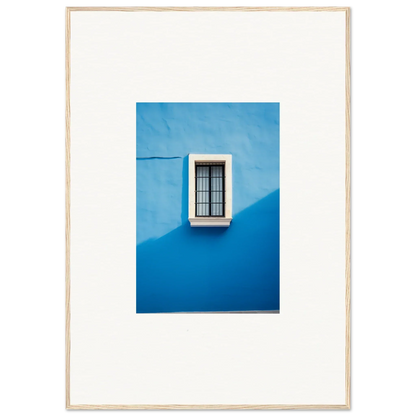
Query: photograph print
x,y
207,208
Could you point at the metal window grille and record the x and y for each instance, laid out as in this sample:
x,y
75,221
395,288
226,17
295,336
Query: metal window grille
x,y
210,190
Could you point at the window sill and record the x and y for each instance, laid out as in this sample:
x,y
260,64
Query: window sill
x,y
210,222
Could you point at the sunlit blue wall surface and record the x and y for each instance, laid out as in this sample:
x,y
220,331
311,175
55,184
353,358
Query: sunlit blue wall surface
x,y
184,269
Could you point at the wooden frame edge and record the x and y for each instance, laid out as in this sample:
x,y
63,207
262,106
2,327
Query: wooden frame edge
x,y
208,407
207,9
346,406
348,208
67,205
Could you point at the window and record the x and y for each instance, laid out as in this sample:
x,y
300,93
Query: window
x,y
210,190
209,201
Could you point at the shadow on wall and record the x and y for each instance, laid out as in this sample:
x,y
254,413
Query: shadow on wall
x,y
213,269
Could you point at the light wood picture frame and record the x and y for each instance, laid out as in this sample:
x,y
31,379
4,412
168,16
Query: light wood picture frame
x,y
74,137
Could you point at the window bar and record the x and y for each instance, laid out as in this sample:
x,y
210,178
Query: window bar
x,y
223,191
196,188
209,190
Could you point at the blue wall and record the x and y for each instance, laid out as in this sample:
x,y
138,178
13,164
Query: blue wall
x,y
184,269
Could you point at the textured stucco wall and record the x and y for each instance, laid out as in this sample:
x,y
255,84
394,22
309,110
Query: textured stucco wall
x,y
180,268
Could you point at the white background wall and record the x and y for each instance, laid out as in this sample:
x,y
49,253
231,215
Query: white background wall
x,y
100,276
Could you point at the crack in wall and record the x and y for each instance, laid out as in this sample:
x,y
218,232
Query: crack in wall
x,y
158,157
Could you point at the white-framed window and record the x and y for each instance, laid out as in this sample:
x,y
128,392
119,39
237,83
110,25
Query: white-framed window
x,y
210,190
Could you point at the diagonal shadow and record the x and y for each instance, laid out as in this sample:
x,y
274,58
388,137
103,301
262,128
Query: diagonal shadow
x,y
213,269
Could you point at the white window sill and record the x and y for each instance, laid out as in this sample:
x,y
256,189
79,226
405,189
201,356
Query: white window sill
x,y
210,222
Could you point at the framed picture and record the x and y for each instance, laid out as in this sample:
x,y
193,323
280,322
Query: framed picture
x,y
208,208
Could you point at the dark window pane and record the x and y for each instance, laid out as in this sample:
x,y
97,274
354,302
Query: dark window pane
x,y
202,209
209,190
202,197
216,171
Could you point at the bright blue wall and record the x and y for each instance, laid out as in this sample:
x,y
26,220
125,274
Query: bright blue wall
x,y
180,268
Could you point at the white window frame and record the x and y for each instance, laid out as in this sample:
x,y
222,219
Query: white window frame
x,y
228,171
